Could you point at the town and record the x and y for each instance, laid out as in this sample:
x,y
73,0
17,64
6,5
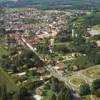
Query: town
x,y
44,53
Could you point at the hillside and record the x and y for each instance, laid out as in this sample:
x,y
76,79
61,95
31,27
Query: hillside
x,y
6,80
48,4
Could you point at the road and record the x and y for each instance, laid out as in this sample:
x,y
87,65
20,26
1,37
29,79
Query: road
x,y
49,67
66,79
31,48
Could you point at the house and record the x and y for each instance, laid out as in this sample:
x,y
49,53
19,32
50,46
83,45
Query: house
x,y
41,70
60,66
37,97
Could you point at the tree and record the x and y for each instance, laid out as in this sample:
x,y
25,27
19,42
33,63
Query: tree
x,y
55,84
60,96
27,53
24,94
64,94
97,92
53,97
96,84
84,89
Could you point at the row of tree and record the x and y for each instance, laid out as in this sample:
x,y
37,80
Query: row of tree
x,y
20,60
85,89
61,92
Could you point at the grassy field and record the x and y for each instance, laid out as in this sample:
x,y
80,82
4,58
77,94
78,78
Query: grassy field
x,y
6,80
93,72
88,97
77,81
96,27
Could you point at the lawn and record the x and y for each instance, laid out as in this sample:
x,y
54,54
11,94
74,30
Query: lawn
x,y
77,81
93,72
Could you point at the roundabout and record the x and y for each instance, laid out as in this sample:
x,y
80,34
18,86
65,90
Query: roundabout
x,y
76,82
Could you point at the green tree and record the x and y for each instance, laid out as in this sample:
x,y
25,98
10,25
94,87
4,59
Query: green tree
x,y
84,89
53,97
24,94
64,94
96,84
55,84
97,92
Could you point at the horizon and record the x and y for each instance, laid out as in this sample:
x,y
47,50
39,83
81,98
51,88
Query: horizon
x,y
51,4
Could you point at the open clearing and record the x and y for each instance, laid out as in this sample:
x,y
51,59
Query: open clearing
x,y
93,72
77,81
6,80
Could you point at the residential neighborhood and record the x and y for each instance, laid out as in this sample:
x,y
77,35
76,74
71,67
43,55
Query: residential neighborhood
x,y
49,54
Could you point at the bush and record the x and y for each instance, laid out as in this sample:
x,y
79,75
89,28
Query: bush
x,y
96,84
53,97
84,89
97,93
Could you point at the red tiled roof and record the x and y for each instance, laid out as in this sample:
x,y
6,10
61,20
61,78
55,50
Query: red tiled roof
x,y
61,65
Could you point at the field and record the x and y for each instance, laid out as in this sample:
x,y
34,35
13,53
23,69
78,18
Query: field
x,y
88,97
96,27
77,81
6,80
93,72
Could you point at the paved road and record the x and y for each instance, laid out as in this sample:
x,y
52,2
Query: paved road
x,y
31,48
66,79
51,69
